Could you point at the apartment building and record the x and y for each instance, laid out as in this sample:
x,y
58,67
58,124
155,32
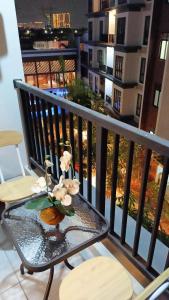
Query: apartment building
x,y
117,50
154,117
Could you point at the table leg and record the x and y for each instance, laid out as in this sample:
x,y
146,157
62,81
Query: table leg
x,y
68,265
22,269
49,283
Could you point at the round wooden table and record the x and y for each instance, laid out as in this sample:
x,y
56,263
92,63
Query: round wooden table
x,y
100,278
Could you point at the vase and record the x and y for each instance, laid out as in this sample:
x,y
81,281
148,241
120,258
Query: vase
x,y
51,216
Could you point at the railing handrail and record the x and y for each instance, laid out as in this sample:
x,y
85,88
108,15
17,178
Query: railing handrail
x,y
131,133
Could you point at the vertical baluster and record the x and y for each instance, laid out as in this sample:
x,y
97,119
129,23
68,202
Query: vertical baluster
x,y
80,153
35,125
127,191
140,212
57,133
39,118
71,130
45,127
30,141
89,162
159,208
52,140
167,261
64,134
101,161
114,182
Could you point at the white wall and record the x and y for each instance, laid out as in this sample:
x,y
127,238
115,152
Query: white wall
x,y
110,57
108,88
10,68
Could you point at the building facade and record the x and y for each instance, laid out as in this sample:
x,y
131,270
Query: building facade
x,y
154,78
117,51
124,57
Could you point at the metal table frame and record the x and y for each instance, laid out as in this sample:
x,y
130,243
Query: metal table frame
x,y
32,268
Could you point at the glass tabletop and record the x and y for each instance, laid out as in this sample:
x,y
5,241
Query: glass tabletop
x,y
40,245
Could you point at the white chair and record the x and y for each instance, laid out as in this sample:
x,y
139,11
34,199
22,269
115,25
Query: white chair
x,y
17,188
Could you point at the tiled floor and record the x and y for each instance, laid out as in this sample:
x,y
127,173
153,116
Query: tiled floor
x,y
14,286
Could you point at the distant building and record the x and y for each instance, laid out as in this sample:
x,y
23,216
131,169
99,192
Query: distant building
x,y
57,13
124,57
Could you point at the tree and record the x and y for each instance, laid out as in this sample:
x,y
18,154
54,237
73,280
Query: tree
x,y
62,68
80,93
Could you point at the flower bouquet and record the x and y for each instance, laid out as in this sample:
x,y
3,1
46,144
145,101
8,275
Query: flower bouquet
x,y
58,201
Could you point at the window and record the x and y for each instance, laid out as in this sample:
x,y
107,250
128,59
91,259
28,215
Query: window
x,y
101,30
61,20
138,106
90,80
90,30
156,97
146,30
142,70
100,57
108,99
90,57
117,100
90,6
118,67
164,46
121,22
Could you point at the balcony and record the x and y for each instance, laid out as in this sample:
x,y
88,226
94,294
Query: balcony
x,y
43,112
107,38
47,120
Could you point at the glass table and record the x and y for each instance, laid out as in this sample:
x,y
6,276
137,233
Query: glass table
x,y
41,246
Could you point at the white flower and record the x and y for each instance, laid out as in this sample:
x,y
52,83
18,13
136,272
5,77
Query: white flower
x,y
39,186
48,163
60,193
65,161
59,185
41,182
67,200
72,186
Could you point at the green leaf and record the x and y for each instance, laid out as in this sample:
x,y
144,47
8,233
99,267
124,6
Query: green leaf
x,y
39,204
65,210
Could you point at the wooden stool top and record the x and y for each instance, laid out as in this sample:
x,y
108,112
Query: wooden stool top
x,y
100,278
10,138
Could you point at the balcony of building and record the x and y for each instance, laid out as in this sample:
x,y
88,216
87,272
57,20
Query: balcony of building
x,y
115,163
47,120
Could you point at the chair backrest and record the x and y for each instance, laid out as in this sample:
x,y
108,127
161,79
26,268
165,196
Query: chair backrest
x,y
11,138
156,287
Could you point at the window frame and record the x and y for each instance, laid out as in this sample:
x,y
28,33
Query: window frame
x,y
90,30
146,30
118,67
138,105
121,30
117,100
142,70
164,38
156,89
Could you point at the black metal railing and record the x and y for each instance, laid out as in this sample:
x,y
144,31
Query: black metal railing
x,y
107,38
47,120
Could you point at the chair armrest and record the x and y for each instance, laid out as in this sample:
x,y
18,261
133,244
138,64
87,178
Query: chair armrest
x,y
156,284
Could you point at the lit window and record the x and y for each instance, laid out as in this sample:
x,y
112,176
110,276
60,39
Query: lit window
x,y
117,100
118,67
156,97
163,49
61,20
